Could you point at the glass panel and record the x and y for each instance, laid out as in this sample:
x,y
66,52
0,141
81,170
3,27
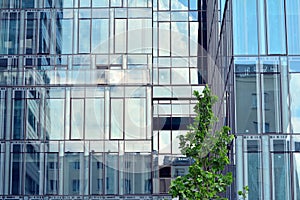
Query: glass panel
x,y
33,120
295,103
55,125
262,27
194,38
94,119
111,173
164,76
30,36
16,173
245,27
193,4
73,173
254,170
65,45
293,26
281,174
84,36
32,173
52,173
116,3
100,35
2,115
85,3
120,35
135,118
13,37
247,99
164,5
276,27
97,174
3,36
164,39
137,169
176,141
164,142
102,3
296,175
140,35
254,175
18,119
180,76
44,32
77,116
137,3
294,64
271,106
180,37
116,121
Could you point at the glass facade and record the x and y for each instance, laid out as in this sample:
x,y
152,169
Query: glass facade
x,y
94,94
266,50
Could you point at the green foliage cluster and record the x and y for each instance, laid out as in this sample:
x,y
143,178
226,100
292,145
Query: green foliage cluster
x,y
209,151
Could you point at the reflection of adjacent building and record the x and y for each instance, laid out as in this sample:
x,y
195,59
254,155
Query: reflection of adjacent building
x,y
94,95
257,94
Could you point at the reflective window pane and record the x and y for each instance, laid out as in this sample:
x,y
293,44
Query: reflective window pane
x,y
116,120
295,103
281,173
84,36
135,118
97,174
293,28
52,173
100,35
32,173
247,100
94,119
73,173
271,103
245,27
55,125
77,108
111,173
276,27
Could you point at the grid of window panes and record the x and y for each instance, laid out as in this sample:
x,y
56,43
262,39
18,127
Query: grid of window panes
x,y
266,48
94,94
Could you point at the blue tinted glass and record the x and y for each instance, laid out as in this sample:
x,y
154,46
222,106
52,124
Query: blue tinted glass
x,y
193,4
293,26
276,27
245,27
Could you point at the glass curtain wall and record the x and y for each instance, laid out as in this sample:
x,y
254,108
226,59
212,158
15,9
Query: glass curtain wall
x,y
94,94
266,85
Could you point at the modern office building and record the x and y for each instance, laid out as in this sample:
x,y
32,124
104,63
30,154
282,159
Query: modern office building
x,y
95,92
266,85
